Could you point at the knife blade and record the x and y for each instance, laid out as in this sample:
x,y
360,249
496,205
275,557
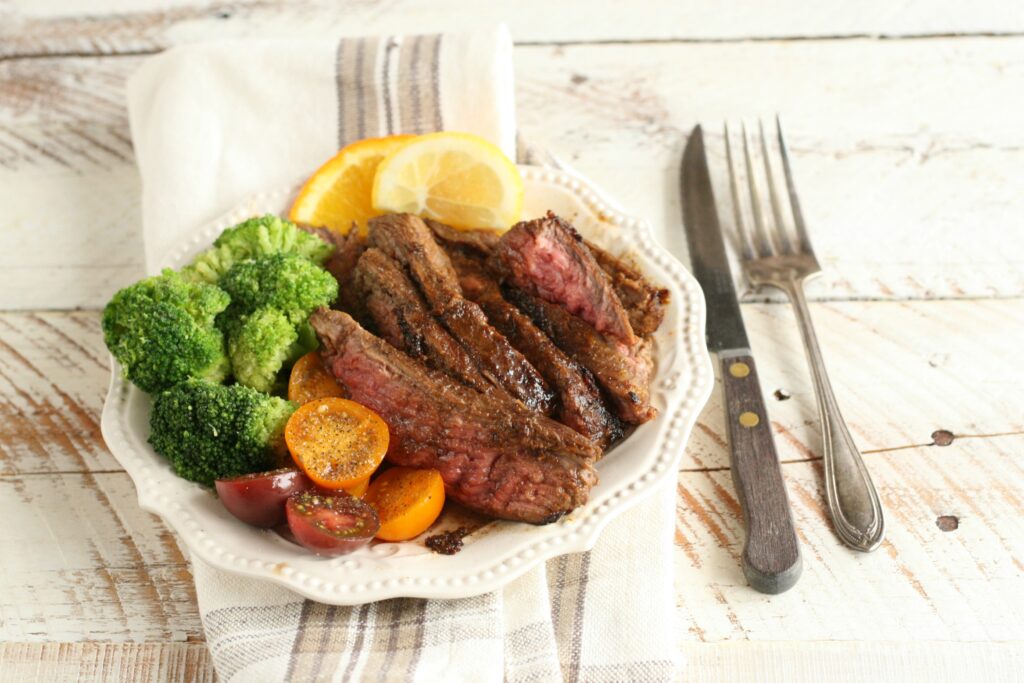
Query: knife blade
x,y
771,552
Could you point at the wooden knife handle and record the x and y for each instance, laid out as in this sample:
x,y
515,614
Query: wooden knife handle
x,y
771,554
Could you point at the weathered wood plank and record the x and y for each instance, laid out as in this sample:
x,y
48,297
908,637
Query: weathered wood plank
x,y
779,661
924,583
116,26
890,173
53,379
94,662
84,562
901,371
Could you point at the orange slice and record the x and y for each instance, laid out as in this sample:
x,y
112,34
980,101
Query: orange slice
x,y
336,442
340,192
407,500
456,178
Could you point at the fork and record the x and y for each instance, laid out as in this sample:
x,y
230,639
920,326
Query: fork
x,y
773,256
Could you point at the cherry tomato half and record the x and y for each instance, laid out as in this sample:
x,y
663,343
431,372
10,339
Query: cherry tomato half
x,y
259,499
331,523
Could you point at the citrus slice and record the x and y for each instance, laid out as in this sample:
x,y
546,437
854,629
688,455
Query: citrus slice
x,y
339,193
456,178
336,442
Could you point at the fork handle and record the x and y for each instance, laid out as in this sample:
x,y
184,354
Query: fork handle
x,y
852,499
771,554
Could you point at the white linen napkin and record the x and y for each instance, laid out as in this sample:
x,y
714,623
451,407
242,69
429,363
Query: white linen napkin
x,y
213,123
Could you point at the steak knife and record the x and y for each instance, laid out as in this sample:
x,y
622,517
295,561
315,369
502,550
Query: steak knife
x,y
771,554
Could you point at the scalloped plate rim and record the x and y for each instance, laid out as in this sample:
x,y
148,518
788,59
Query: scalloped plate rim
x,y
578,536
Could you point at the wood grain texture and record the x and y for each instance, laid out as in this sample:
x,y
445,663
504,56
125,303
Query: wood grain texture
x,y
882,156
771,552
101,662
922,584
900,370
116,26
849,662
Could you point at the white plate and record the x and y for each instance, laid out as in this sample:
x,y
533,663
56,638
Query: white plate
x,y
504,550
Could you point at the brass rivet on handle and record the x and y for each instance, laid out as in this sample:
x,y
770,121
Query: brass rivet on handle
x,y
739,370
749,419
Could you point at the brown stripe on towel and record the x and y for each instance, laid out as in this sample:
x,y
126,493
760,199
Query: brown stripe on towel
x,y
435,78
387,91
568,587
349,94
368,88
410,70
327,637
342,137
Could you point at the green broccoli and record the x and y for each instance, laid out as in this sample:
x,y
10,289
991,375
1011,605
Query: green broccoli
x,y
260,344
287,282
161,330
212,431
253,238
267,323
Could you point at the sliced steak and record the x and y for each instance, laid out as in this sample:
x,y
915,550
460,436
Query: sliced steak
x,y
495,456
547,258
623,372
480,240
401,317
579,403
644,302
408,240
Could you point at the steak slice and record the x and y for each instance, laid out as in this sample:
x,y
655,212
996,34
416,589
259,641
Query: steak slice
x,y
644,302
547,258
402,318
408,240
624,372
480,240
579,404
495,456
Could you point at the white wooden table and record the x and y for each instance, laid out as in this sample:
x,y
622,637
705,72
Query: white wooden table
x,y
906,130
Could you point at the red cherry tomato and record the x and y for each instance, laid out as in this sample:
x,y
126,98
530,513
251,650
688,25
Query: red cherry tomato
x,y
259,499
331,523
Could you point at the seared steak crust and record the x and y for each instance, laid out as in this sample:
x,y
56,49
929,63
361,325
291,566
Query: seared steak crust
x,y
480,240
547,258
579,403
495,456
401,317
623,372
408,240
644,303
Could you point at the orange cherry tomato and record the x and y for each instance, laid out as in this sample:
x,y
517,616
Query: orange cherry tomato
x,y
310,379
336,442
359,488
407,500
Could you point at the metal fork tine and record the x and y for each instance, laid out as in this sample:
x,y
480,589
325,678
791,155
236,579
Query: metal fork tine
x,y
745,241
794,202
755,199
781,233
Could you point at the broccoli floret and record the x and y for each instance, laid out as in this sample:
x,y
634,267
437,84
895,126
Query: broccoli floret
x,y
161,330
289,283
259,345
253,238
267,324
211,431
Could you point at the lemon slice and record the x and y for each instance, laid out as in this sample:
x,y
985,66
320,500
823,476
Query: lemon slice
x,y
339,193
456,178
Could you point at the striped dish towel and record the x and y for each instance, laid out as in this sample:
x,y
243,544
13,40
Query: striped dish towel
x,y
213,123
